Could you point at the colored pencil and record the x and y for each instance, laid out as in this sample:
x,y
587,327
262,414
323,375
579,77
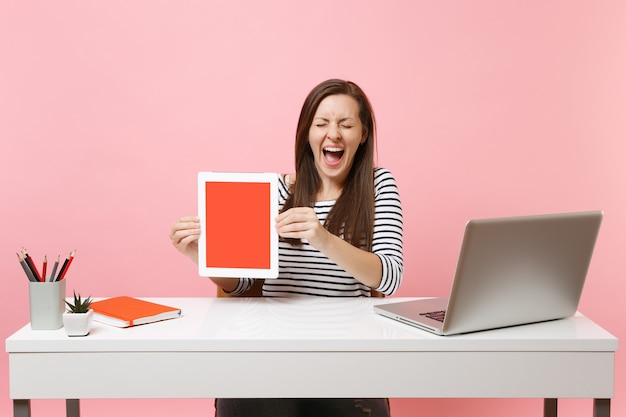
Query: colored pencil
x,y
44,268
31,265
29,273
65,266
68,264
54,268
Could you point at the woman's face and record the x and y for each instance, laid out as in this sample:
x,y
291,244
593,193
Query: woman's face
x,y
334,136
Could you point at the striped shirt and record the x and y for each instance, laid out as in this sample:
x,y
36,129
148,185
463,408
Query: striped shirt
x,y
305,271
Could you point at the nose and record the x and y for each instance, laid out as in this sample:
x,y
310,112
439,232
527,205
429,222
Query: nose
x,y
333,131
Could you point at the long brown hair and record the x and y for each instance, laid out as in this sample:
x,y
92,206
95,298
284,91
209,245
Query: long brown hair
x,y
353,213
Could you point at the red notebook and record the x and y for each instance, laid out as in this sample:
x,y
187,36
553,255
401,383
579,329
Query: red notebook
x,y
127,311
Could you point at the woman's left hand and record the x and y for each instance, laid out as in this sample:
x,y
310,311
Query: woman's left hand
x,y
302,223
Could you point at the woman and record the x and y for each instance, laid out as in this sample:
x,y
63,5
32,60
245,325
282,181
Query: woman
x,y
340,228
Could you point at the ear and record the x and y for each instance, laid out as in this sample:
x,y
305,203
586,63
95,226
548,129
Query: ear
x,y
364,136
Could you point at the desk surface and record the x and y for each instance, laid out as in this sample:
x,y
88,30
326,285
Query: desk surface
x,y
261,324
311,347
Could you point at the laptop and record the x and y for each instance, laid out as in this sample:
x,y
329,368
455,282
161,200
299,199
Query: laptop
x,y
511,271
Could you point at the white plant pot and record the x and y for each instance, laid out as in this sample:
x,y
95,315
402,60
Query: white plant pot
x,y
77,324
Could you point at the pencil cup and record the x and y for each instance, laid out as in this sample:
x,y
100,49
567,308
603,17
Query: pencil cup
x,y
47,304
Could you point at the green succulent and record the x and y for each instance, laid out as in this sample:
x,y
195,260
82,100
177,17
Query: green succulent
x,y
80,305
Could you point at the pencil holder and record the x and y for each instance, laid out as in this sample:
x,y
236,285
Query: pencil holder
x,y
47,304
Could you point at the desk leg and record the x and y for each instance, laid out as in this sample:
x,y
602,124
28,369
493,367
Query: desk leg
x,y
21,408
72,408
550,407
602,407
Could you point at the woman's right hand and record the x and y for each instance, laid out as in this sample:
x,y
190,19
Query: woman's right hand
x,y
184,234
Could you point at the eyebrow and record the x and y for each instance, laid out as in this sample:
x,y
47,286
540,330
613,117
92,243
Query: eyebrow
x,y
340,120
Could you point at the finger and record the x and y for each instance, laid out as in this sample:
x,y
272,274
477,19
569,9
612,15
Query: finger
x,y
186,241
190,222
185,226
296,227
186,219
300,215
295,211
179,235
184,238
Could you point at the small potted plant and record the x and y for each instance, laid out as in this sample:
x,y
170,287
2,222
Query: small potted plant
x,y
78,316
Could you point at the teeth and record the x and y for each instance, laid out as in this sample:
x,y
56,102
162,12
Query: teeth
x,y
333,149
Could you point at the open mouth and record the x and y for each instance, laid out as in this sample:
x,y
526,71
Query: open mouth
x,y
333,155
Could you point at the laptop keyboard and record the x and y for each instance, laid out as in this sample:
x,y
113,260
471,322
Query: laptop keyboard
x,y
435,315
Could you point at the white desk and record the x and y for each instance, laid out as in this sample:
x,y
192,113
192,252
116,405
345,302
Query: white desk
x,y
310,347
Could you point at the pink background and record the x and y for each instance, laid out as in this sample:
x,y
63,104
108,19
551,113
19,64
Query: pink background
x,y
108,109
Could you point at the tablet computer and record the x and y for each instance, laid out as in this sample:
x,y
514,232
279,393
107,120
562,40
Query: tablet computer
x,y
238,237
